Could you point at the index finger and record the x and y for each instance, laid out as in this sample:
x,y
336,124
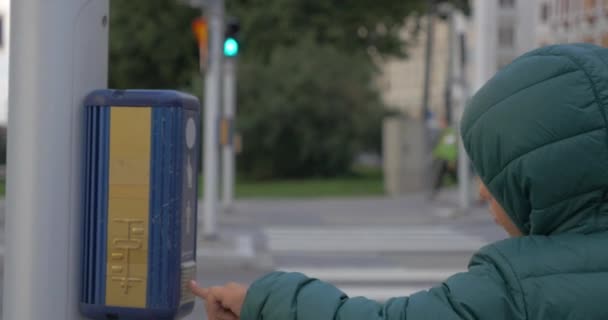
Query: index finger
x,y
218,292
199,291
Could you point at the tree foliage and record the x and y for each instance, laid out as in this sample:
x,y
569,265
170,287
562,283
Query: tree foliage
x,y
349,26
305,113
307,96
151,45
352,26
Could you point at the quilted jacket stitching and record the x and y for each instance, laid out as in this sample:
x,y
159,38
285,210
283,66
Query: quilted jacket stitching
x,y
602,110
542,146
570,198
472,126
594,85
578,272
517,279
602,107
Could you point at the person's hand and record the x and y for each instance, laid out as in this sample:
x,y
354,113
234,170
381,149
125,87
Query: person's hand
x,y
221,303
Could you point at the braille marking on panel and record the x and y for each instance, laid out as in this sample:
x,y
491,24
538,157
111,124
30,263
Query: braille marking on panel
x,y
128,212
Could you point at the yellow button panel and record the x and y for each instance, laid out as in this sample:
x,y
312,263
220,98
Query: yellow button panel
x,y
128,206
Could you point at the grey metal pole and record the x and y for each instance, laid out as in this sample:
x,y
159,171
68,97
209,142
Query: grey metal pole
x,y
228,167
426,130
450,67
464,168
213,86
59,54
485,15
430,35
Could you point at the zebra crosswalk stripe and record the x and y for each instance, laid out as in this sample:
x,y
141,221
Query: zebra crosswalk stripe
x,y
326,239
375,274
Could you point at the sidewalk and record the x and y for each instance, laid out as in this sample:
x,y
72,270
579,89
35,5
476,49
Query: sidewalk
x,y
243,240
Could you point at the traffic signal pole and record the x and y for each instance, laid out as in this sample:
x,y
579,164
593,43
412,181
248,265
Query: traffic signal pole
x,y
57,56
464,164
213,87
231,52
228,154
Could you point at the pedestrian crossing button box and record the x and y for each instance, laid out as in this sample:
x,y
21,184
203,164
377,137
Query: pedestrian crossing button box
x,y
139,197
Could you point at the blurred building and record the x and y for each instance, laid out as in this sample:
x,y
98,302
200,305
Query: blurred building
x,y
406,146
498,32
567,21
4,40
505,29
513,27
402,82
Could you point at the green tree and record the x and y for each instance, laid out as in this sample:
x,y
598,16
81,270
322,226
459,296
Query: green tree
x,y
352,26
307,99
308,103
349,26
151,45
305,113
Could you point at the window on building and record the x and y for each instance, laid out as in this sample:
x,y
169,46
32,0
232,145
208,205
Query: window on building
x,y
545,12
605,40
590,9
590,5
506,36
507,3
565,7
588,39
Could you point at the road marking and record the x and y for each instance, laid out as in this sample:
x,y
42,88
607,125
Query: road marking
x,y
373,239
381,293
382,274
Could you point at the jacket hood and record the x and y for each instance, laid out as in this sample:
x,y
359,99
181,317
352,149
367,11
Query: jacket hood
x,y
537,134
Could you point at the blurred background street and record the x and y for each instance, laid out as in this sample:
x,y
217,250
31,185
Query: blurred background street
x,y
373,247
329,131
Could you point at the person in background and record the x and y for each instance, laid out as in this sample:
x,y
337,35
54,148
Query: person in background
x,y
445,159
537,134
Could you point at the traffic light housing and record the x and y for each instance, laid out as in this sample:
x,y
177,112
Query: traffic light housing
x,y
231,39
201,31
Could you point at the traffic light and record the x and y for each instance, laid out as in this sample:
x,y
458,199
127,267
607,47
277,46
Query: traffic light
x,y
231,47
231,41
201,31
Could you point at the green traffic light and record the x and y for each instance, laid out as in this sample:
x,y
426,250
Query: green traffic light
x,y
231,47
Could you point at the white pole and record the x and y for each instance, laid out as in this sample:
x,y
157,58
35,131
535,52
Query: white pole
x,y
464,174
213,93
526,27
229,114
485,57
485,15
58,55
452,38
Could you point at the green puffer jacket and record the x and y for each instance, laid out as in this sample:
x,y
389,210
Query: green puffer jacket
x,y
537,134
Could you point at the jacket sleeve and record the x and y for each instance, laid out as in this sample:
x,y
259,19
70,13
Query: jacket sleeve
x,y
481,293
